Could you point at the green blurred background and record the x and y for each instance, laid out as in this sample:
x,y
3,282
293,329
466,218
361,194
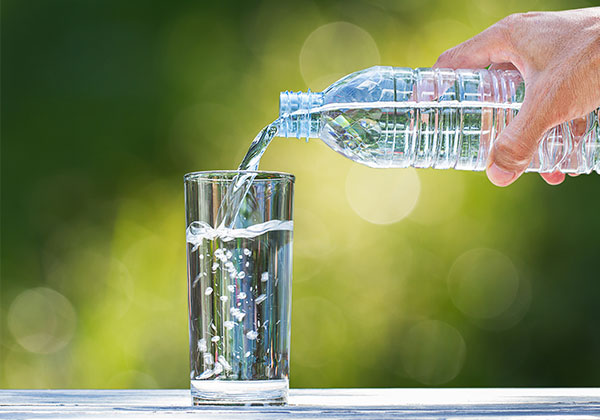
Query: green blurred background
x,y
401,277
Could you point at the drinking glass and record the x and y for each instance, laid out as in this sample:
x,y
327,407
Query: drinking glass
x,y
239,288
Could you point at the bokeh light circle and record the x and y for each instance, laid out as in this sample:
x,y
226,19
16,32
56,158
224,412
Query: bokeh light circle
x,y
335,50
24,370
441,196
432,352
312,244
41,320
319,329
382,196
514,314
483,283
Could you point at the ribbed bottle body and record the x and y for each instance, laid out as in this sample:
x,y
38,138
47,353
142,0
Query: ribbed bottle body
x,y
389,117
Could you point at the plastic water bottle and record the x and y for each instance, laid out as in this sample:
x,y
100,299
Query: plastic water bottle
x,y
387,117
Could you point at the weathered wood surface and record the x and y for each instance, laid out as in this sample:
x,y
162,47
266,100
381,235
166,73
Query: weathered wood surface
x,y
505,403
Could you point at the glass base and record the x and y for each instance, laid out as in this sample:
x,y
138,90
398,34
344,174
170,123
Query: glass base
x,y
227,392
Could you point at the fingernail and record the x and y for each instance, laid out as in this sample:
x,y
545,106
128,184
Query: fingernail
x,y
499,176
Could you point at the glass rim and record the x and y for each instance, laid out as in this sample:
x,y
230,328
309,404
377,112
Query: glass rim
x,y
227,175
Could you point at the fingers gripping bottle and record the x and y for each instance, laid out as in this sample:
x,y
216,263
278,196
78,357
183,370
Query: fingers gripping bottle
x,y
387,117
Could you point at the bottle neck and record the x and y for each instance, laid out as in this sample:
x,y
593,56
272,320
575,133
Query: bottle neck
x,y
299,115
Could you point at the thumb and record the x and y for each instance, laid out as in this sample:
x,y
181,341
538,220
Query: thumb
x,y
513,149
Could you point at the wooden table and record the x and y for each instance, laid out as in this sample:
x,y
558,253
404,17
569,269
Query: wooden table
x,y
505,403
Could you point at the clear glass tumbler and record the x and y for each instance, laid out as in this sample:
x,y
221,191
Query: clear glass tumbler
x,y
239,289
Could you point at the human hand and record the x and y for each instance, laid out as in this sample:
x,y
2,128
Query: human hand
x,y
558,55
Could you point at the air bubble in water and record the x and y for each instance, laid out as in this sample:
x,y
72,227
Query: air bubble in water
x,y
206,374
224,362
247,354
241,295
215,339
202,345
229,324
231,288
264,277
208,291
228,254
224,298
251,335
241,275
247,252
260,299
220,254
247,264
208,359
195,228
218,368
215,266
237,314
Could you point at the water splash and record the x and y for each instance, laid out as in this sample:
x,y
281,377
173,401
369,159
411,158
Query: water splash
x,y
241,183
199,231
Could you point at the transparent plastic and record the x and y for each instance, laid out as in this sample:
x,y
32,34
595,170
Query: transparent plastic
x,y
387,117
